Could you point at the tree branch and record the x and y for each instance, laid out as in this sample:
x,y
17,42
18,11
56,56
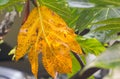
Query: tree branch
x,y
86,74
27,11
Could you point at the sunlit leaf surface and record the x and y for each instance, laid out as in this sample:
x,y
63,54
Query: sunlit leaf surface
x,y
91,45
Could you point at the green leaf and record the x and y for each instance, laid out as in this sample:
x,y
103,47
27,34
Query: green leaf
x,y
86,17
115,27
92,15
109,59
107,13
19,7
106,3
109,24
74,14
2,2
91,45
104,35
109,21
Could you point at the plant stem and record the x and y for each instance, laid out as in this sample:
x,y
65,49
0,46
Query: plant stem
x,y
27,11
85,31
79,59
86,74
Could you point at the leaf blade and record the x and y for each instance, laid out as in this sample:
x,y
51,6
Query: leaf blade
x,y
50,35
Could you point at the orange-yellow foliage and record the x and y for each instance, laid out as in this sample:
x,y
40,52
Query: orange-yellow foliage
x,y
46,32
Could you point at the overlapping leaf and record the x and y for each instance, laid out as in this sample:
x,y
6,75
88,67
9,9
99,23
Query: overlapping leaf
x,y
46,32
91,45
108,59
106,3
109,24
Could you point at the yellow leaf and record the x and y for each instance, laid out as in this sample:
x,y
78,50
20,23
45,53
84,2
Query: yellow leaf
x,y
27,35
46,32
34,61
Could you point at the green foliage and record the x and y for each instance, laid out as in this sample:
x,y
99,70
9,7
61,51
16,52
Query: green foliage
x,y
86,17
10,4
109,24
106,3
115,27
104,14
74,16
89,16
90,45
19,8
109,21
52,4
107,28
108,59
